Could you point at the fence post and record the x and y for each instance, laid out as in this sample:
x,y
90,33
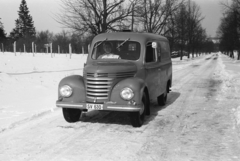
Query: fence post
x,y
88,48
58,49
2,48
14,47
82,50
33,48
50,45
70,50
47,48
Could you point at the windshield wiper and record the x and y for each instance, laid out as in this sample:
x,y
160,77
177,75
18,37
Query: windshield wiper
x,y
123,43
100,43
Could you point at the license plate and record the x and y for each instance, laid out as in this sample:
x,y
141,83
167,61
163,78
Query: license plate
x,y
94,106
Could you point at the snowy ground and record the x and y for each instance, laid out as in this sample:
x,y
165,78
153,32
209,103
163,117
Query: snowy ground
x,y
201,120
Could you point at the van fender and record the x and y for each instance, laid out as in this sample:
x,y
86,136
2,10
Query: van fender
x,y
76,82
136,84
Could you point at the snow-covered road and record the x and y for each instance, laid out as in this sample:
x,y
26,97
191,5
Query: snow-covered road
x,y
199,122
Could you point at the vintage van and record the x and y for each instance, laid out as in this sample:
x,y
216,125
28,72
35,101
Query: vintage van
x,y
124,71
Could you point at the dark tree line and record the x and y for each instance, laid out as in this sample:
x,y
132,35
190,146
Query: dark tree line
x,y
179,20
229,29
186,32
60,42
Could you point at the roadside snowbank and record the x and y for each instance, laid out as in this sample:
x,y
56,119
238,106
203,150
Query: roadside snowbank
x,y
230,73
223,75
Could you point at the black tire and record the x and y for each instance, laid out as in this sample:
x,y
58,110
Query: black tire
x,y
162,99
137,118
71,115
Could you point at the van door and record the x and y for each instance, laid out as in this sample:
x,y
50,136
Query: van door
x,y
152,68
165,61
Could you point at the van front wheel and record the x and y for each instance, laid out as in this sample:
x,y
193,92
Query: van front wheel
x,y
71,115
137,118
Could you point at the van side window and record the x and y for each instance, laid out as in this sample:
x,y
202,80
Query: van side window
x,y
150,53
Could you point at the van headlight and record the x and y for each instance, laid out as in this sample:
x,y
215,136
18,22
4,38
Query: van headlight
x,y
65,91
127,93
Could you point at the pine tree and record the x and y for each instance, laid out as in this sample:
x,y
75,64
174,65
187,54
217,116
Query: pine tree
x,y
2,32
15,34
24,27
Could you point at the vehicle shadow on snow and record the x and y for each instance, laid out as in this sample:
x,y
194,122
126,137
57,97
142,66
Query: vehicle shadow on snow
x,y
155,108
106,117
122,118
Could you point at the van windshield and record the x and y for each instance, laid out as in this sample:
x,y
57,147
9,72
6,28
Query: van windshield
x,y
126,49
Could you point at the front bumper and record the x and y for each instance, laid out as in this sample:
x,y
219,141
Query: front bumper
x,y
107,106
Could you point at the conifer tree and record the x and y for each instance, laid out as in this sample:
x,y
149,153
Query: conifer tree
x,y
24,27
2,32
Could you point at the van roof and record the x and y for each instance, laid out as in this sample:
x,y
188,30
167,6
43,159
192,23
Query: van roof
x,y
134,36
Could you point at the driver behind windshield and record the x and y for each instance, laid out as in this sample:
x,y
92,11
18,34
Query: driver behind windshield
x,y
107,47
108,54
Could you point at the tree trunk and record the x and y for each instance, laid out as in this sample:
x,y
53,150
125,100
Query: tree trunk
x,y
238,54
232,54
104,23
181,53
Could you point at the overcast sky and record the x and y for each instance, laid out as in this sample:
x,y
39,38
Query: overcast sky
x,y
43,13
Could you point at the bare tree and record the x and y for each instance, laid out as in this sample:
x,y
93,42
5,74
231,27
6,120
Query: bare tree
x,y
181,30
94,16
186,28
194,19
154,15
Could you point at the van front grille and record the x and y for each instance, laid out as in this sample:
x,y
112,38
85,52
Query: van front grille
x,y
98,85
